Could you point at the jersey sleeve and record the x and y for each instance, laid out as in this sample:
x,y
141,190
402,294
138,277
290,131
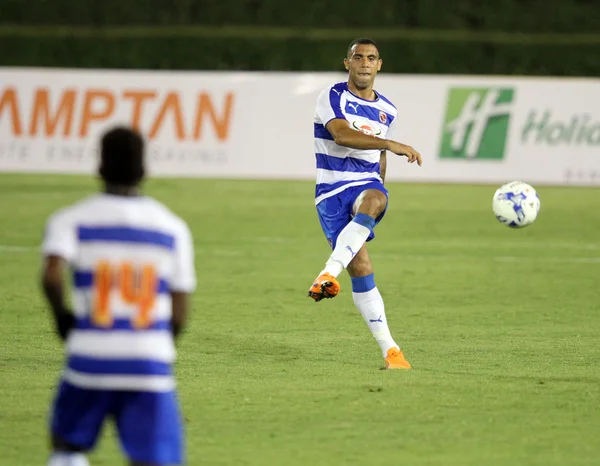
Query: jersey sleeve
x,y
329,105
184,273
392,132
60,238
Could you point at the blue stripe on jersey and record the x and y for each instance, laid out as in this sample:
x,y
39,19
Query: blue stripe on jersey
x,y
322,133
346,164
88,365
126,235
323,188
367,111
85,323
83,279
335,95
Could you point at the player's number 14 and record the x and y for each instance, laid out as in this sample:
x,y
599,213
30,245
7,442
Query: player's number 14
x,y
136,286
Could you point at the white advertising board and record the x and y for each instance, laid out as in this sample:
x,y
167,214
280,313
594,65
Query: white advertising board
x,y
473,129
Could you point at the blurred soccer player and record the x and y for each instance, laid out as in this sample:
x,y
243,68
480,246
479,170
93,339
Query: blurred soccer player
x,y
351,125
133,267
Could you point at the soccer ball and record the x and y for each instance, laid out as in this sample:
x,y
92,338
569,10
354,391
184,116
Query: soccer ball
x,y
516,204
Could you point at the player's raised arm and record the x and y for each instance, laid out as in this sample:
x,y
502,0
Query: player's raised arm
x,y
344,135
329,112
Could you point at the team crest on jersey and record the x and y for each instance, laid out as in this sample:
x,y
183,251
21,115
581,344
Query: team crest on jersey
x,y
382,117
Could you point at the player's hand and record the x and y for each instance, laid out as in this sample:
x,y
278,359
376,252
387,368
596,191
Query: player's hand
x,y
65,321
402,149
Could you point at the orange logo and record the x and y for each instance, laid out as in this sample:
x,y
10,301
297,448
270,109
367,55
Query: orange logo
x,y
365,128
78,109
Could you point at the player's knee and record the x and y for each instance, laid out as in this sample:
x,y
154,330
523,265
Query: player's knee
x,y
380,202
373,204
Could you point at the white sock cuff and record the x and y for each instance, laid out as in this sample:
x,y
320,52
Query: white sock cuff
x,y
65,458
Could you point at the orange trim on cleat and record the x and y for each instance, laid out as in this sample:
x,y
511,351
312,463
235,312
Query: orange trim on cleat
x,y
325,286
395,360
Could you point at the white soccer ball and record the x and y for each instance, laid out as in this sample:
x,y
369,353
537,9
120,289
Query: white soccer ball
x,y
516,204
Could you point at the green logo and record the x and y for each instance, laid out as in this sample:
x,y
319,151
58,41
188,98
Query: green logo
x,y
476,123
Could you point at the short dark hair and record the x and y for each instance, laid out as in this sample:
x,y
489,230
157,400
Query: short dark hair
x,y
122,157
363,41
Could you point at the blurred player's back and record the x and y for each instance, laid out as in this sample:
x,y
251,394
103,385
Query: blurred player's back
x,y
123,266
133,266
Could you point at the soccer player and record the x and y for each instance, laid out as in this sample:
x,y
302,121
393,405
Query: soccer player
x,y
132,262
351,127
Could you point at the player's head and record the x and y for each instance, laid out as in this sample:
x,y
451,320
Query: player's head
x,y
362,62
122,157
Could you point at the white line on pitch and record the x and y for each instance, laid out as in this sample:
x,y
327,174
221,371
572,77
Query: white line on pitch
x,y
15,248
419,258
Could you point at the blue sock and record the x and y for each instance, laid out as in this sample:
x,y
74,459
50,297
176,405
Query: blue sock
x,y
363,284
365,220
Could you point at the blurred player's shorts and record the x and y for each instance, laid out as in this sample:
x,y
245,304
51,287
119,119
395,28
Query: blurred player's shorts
x,y
148,423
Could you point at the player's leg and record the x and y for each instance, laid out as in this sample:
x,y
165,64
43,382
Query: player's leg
x,y
77,418
150,428
371,203
369,302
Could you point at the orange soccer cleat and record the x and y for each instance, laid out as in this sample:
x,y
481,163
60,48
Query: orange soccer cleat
x,y
395,360
324,286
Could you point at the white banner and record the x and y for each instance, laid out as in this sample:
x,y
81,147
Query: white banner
x,y
473,129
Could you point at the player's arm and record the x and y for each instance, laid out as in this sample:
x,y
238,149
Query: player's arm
x,y
58,248
184,280
53,288
180,309
382,165
344,135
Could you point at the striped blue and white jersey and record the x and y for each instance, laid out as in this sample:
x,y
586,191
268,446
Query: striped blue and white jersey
x,y
126,254
341,167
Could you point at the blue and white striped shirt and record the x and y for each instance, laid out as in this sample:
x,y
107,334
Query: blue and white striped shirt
x,y
127,255
340,167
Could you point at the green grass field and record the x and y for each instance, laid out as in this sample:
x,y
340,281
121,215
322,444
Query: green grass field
x,y
501,326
